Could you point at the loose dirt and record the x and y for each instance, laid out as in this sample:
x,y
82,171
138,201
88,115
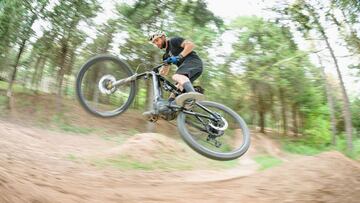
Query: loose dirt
x,y
38,165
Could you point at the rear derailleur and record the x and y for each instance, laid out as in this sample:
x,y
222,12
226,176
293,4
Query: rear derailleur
x,y
213,135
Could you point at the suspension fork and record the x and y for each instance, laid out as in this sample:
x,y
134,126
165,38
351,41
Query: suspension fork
x,y
156,89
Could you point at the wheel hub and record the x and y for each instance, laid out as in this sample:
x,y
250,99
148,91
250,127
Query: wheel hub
x,y
105,84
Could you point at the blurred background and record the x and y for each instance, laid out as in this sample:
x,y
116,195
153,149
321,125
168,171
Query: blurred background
x,y
291,68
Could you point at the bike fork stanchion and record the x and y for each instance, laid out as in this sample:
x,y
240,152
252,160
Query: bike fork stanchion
x,y
156,92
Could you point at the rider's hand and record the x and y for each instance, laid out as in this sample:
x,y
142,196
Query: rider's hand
x,y
173,59
164,71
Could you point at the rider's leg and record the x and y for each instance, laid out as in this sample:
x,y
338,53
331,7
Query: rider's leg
x,y
184,82
190,94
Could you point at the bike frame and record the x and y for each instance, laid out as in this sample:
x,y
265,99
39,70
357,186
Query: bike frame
x,y
158,96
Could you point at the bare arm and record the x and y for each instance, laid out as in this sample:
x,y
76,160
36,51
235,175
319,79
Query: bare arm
x,y
188,47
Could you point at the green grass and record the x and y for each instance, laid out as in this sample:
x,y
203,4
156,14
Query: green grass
x,y
63,125
16,87
341,146
165,162
75,129
267,161
72,157
132,131
119,139
126,163
303,148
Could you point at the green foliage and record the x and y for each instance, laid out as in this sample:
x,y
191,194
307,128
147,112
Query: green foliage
x,y
355,109
350,7
266,78
341,145
278,75
267,161
317,128
16,88
302,147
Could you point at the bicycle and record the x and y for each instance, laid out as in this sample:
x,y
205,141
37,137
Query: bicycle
x,y
106,87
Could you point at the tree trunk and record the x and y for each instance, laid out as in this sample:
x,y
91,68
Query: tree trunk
x,y
13,76
59,91
262,121
21,50
294,119
346,107
36,68
283,110
61,73
345,98
261,111
330,101
39,76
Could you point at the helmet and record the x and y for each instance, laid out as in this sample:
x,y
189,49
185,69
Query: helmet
x,y
156,35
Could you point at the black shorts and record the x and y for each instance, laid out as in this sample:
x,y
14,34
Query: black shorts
x,y
192,68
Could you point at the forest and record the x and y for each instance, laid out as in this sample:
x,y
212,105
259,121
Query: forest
x,y
266,75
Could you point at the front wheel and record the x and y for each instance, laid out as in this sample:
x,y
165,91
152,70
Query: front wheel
x,y
95,89
214,131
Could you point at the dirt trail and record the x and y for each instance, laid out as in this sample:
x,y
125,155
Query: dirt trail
x,y
35,167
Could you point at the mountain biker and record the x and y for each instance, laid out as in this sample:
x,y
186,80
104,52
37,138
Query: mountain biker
x,y
179,51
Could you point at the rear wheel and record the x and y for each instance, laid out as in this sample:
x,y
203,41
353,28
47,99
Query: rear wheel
x,y
220,135
94,86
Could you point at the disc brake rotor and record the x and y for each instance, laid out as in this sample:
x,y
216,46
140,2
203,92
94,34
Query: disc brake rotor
x,y
222,127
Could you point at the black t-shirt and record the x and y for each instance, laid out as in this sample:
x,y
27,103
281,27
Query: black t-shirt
x,y
174,48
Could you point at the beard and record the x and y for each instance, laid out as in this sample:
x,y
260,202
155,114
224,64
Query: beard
x,y
163,46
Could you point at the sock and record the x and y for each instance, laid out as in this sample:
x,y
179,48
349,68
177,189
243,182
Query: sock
x,y
188,87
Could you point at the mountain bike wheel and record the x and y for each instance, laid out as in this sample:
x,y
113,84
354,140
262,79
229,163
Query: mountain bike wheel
x,y
94,86
220,135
